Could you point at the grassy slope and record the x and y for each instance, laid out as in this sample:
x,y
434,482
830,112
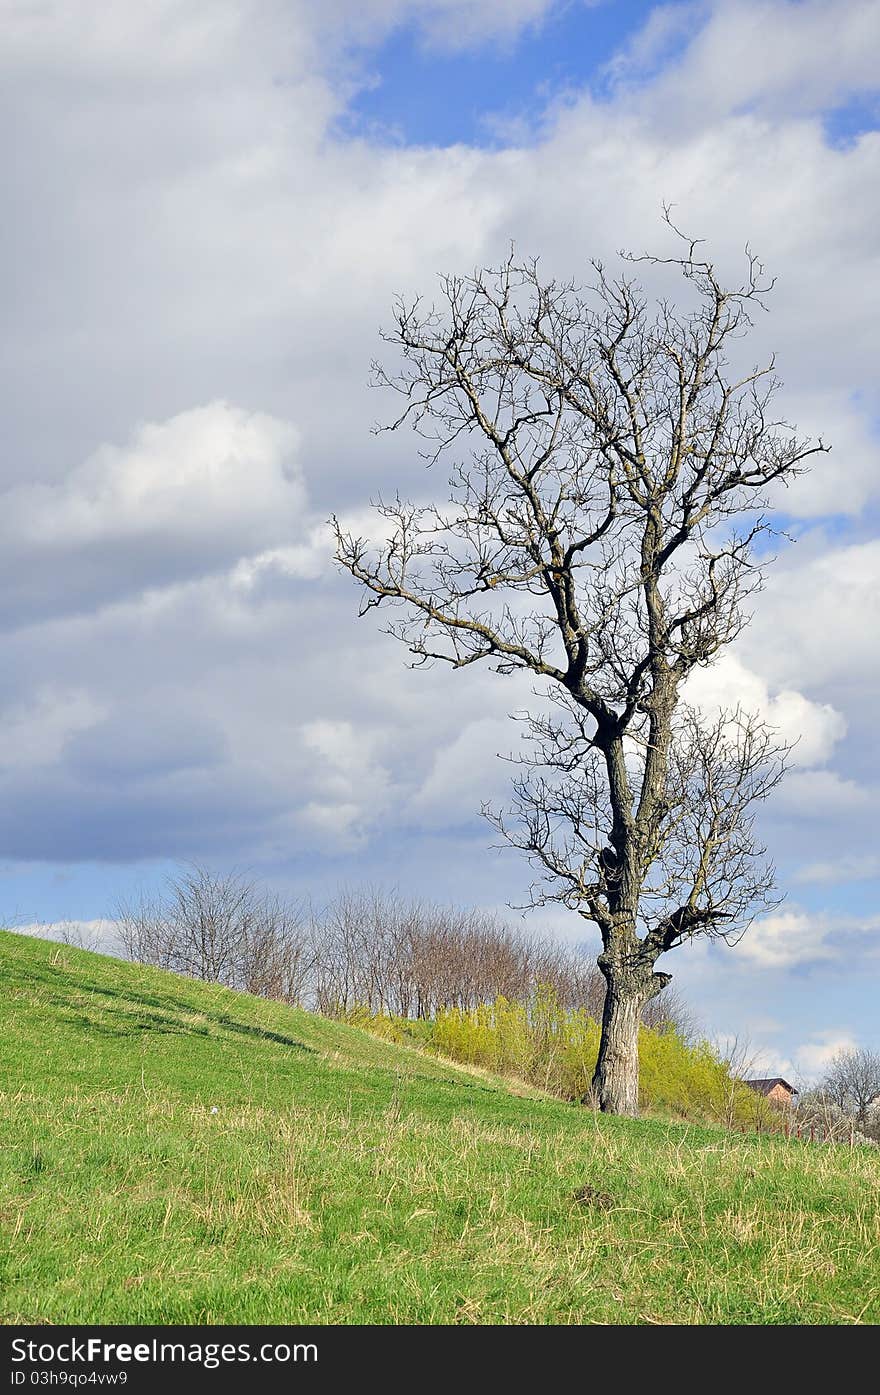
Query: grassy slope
x,y
343,1179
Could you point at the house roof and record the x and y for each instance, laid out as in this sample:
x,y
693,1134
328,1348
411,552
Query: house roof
x,y
765,1086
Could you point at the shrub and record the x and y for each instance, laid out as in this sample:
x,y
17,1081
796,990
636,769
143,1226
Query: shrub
x,y
556,1048
379,1024
689,1079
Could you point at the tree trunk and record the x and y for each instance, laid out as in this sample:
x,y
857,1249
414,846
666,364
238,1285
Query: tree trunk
x,y
616,1080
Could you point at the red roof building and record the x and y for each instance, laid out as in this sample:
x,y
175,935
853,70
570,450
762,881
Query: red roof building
x,y
775,1089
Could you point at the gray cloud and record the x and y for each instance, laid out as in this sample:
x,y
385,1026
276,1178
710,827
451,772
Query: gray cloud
x,y
200,273
182,499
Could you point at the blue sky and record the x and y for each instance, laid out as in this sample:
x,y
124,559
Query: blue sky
x,y
418,93
214,202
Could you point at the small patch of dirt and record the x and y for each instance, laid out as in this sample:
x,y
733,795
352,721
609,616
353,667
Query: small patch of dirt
x,y
591,1196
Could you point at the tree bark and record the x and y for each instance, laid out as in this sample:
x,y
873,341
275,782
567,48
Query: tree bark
x,y
616,1079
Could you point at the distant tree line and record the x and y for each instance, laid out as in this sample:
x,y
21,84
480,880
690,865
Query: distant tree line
x,y
845,1104
367,948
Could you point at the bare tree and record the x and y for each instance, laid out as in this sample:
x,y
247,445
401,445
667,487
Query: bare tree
x,y
852,1082
222,928
602,533
822,1118
740,1059
147,933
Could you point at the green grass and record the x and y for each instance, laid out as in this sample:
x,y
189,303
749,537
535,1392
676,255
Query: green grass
x,y
343,1179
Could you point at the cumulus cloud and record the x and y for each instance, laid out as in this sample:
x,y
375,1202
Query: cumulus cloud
x,y
787,938
813,728
814,1056
792,937
33,733
184,497
185,675
74,33
304,560
351,786
818,794
819,615
843,869
843,481
779,56
214,470
466,772
100,935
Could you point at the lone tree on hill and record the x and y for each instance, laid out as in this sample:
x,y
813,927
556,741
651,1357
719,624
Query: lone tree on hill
x,y
601,532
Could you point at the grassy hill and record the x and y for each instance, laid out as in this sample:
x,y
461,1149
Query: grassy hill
x,y
176,1152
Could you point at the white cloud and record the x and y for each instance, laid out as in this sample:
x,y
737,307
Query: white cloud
x,y
207,471
844,869
820,794
812,1057
306,560
466,772
34,733
185,497
786,938
188,229
813,727
750,1058
665,26
819,616
70,33
352,787
845,480
101,935
776,55
445,25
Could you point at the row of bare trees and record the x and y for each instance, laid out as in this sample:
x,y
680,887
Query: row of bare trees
x,y
368,948
405,957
